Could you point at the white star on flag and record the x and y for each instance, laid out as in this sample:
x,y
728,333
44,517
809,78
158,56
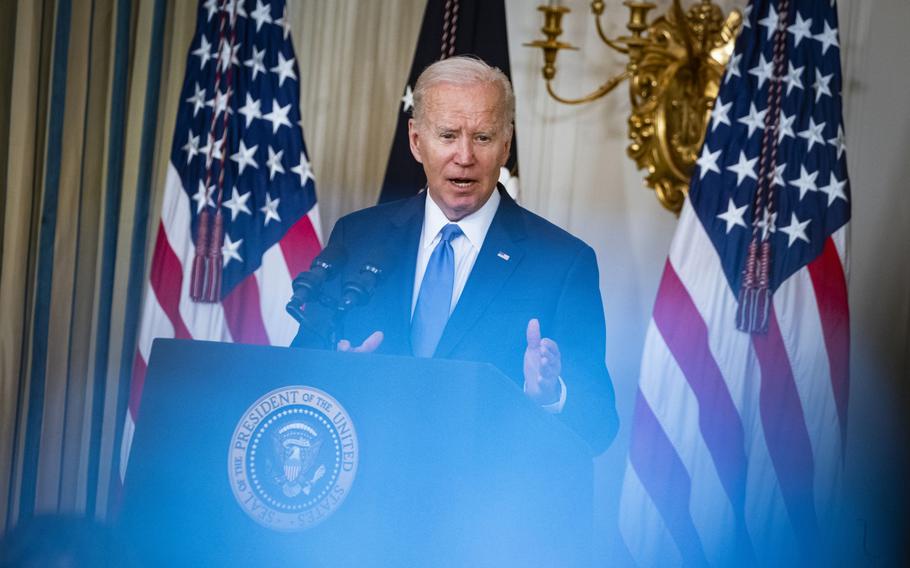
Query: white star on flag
x,y
284,23
827,38
228,56
720,114
805,182
767,223
230,250
793,77
237,203
278,116
813,134
821,85
274,162
219,102
770,22
211,150
234,9
204,51
203,197
244,157
839,141
270,209
733,67
755,120
785,126
733,216
707,162
835,189
256,62
795,230
743,168
191,147
801,29
211,7
778,175
261,15
284,69
303,170
198,99
763,71
407,101
250,110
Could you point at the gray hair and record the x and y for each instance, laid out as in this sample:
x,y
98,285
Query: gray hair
x,y
464,70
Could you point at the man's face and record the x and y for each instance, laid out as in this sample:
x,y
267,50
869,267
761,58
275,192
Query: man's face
x,y
462,142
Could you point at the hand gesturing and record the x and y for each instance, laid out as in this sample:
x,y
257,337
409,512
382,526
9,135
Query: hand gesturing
x,y
542,366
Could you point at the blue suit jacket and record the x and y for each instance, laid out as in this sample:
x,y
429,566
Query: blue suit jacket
x,y
527,268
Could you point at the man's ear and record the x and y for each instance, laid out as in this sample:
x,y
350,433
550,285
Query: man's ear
x,y
414,140
506,150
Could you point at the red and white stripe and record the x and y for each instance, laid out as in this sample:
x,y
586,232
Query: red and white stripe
x,y
252,313
737,440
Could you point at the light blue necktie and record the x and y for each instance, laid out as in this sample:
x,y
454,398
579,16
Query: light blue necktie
x,y
435,296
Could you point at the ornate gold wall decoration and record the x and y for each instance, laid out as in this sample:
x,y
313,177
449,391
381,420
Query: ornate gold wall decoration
x,y
675,66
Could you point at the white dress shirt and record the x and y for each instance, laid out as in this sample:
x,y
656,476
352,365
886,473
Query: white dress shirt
x,y
474,229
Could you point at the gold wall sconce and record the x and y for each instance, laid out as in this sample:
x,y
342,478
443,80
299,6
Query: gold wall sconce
x,y
675,66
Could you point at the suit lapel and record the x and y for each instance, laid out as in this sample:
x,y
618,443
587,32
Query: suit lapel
x,y
502,250
401,258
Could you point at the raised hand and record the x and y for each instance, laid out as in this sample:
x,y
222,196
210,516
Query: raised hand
x,y
542,366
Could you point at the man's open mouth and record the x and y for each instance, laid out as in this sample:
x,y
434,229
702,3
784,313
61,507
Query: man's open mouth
x,y
462,182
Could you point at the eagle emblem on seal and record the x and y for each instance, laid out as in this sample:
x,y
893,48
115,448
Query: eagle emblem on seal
x,y
296,447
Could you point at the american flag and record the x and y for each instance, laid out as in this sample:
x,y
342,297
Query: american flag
x,y
740,417
238,148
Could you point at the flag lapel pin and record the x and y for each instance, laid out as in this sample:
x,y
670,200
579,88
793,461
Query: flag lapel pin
x,y
503,255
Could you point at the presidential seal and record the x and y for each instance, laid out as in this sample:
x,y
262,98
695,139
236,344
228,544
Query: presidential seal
x,y
293,458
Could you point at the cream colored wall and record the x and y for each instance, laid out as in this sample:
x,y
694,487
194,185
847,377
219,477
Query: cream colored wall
x,y
877,125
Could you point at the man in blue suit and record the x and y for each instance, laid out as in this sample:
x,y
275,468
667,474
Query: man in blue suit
x,y
469,274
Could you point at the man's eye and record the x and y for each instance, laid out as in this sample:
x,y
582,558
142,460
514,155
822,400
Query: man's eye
x,y
447,136
484,138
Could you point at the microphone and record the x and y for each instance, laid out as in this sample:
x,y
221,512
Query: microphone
x,y
308,284
359,290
